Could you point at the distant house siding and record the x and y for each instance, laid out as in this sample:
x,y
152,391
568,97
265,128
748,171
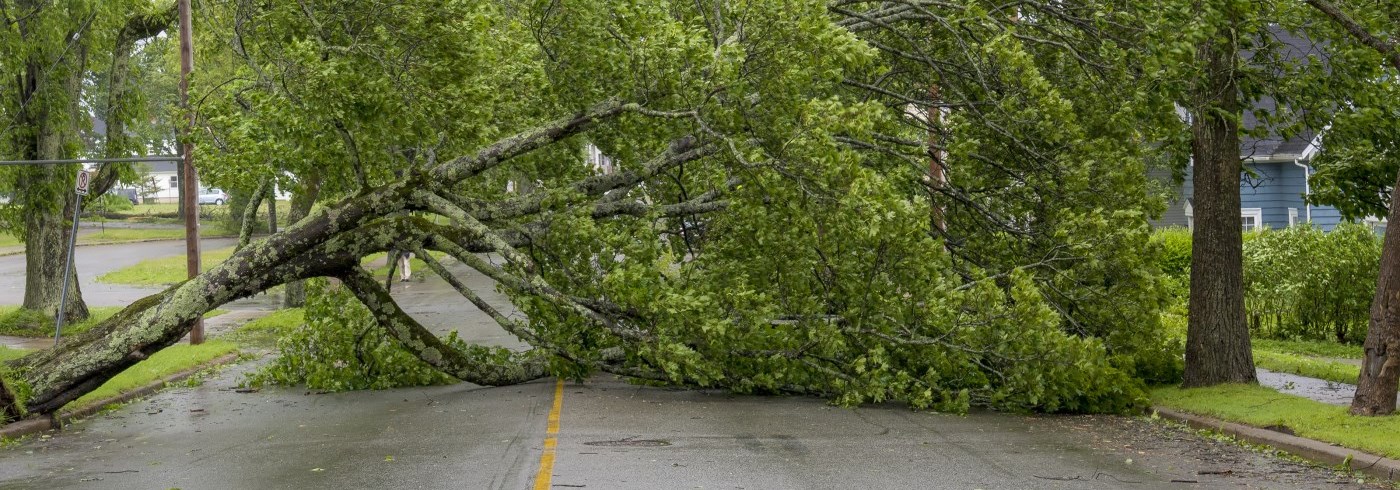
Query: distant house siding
x,y
1273,188
1175,215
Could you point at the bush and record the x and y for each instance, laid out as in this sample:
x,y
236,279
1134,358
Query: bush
x,y
341,348
111,202
1302,283
1175,259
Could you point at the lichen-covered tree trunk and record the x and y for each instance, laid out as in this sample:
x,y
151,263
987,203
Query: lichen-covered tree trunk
x,y
1217,337
249,216
329,242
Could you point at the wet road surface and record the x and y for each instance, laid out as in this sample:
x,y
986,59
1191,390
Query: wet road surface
x,y
611,435
95,260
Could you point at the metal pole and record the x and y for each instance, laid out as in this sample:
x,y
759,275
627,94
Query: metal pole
x,y
94,160
67,270
188,186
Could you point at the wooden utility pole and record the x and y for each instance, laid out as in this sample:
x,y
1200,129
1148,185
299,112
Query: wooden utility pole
x,y
189,186
938,174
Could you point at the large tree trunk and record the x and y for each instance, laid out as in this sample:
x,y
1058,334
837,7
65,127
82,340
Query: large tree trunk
x,y
45,254
329,242
47,201
1380,370
1217,336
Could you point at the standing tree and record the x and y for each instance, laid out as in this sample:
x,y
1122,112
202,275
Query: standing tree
x,y
1217,337
1360,173
54,50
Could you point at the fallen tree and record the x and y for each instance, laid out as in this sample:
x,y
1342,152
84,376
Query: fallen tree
x,y
764,228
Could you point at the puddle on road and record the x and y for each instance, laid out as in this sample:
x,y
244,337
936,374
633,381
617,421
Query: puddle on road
x,y
1316,389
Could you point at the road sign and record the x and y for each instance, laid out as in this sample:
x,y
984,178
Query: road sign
x,y
84,178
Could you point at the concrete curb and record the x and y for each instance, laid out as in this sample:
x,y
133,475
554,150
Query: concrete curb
x,y
57,420
1322,452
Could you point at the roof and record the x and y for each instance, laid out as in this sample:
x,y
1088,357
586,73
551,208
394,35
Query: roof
x,y
162,166
1275,146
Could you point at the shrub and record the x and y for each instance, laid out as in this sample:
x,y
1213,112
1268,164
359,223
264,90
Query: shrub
x,y
112,202
1302,283
1175,259
341,348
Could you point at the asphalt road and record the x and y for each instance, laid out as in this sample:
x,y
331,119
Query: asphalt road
x,y
95,260
610,435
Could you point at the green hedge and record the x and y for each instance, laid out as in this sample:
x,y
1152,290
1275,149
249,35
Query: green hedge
x,y
1300,282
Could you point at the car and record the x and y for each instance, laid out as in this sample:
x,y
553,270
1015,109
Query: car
x,y
212,196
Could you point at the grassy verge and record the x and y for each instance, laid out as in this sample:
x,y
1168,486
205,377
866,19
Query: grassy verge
x,y
1264,407
265,331
162,271
128,235
110,236
168,361
8,353
1303,366
1310,348
24,323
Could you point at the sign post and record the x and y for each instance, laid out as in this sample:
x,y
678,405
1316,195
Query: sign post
x,y
80,189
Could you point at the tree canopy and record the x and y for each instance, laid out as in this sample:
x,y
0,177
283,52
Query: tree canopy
x,y
941,203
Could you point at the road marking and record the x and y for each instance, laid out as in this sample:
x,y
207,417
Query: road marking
x,y
544,477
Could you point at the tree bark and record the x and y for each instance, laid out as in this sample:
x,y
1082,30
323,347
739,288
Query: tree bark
x,y
250,214
1380,369
1217,337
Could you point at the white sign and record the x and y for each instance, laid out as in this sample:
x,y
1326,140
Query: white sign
x,y
81,187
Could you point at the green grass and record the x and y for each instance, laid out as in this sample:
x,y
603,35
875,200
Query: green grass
x,y
27,323
8,353
168,361
1264,407
24,323
265,331
162,271
125,235
1303,366
1311,348
149,209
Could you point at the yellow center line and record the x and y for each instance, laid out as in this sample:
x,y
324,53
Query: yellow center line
x,y
544,477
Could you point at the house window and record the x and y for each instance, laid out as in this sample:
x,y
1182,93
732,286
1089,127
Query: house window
x,y
173,183
1292,216
1251,218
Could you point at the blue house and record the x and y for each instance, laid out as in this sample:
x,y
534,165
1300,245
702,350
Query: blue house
x,y
1276,178
1277,173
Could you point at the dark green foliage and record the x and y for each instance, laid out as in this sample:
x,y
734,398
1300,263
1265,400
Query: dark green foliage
x,y
110,202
